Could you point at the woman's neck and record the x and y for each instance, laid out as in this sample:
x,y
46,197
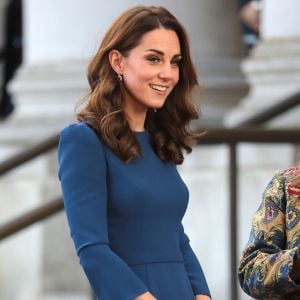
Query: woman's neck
x,y
136,117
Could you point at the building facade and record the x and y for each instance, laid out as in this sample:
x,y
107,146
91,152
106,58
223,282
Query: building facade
x,y
59,37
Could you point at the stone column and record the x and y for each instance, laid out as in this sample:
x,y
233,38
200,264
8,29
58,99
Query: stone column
x,y
40,261
273,68
217,52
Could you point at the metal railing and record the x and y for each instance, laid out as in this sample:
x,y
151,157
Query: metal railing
x,y
29,154
41,212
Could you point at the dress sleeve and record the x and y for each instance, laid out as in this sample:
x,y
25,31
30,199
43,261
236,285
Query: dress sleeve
x,y
82,172
266,265
192,266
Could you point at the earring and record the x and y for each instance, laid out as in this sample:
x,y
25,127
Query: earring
x,y
155,110
120,77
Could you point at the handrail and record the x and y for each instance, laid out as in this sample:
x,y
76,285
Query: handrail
x,y
27,155
40,213
272,112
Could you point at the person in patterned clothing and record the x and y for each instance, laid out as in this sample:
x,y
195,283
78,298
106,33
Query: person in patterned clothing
x,y
270,264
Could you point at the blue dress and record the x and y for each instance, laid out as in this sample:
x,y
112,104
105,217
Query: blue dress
x,y
125,219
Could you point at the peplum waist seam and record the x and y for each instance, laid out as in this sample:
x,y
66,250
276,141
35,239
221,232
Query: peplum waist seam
x,y
149,258
156,261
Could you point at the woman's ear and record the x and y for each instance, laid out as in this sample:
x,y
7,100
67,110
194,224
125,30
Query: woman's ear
x,y
116,60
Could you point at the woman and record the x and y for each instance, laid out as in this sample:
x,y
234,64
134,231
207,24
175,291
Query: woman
x,y
270,264
123,196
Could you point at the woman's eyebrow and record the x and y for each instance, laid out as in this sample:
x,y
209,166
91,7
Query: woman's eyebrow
x,y
177,56
161,52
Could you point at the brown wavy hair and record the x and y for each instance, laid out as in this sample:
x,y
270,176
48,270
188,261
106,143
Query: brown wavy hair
x,y
104,107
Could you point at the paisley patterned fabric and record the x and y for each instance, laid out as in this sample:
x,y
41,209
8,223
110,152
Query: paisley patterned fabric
x,y
268,258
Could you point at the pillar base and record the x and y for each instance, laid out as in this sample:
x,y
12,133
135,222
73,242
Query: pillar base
x,y
222,86
273,73
45,97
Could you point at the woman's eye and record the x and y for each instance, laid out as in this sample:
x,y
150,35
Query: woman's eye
x,y
175,62
153,59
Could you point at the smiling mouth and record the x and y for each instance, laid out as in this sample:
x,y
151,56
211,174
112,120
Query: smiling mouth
x,y
159,88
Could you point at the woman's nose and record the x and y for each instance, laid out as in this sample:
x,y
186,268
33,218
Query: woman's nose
x,y
167,72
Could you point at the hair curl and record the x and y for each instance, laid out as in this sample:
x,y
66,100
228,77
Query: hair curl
x,y
104,109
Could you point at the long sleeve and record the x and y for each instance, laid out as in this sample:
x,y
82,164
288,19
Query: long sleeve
x,y
266,264
82,171
192,266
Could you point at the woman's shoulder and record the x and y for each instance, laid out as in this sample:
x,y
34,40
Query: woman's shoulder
x,y
81,132
76,128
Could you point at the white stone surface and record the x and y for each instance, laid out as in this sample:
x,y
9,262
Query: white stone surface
x,y
273,68
273,73
52,88
20,263
280,19
20,255
206,221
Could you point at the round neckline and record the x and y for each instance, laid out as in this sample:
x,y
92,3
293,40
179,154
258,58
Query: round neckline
x,y
140,132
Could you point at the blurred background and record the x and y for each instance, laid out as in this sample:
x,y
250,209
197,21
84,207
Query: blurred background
x,y
247,55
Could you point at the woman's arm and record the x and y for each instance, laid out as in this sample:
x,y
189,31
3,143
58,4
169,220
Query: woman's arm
x,y
193,268
266,265
82,171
